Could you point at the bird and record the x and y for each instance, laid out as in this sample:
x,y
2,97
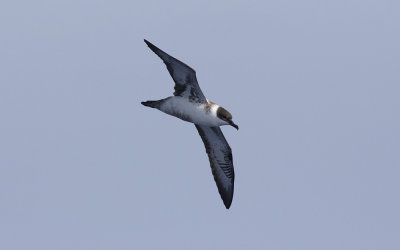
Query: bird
x,y
189,104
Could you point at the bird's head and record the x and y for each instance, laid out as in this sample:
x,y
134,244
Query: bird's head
x,y
224,115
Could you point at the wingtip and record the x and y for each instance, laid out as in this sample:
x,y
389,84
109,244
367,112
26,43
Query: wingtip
x,y
227,199
151,46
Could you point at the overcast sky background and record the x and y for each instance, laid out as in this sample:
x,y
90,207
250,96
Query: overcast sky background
x,y
313,85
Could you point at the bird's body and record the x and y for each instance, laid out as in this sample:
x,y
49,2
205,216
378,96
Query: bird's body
x,y
204,114
190,104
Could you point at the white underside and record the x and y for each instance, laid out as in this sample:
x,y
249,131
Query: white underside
x,y
196,113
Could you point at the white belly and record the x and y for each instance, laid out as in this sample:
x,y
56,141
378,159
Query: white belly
x,y
201,114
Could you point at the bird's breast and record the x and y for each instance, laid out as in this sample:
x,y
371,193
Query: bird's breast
x,y
198,113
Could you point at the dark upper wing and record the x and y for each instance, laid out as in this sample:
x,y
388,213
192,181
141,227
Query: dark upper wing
x,y
220,156
184,76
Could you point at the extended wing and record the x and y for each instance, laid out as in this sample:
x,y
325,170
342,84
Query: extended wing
x,y
184,76
220,156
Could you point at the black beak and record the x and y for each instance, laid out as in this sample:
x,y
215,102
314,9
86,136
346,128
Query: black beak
x,y
233,124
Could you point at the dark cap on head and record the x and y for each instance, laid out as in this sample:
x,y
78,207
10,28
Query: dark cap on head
x,y
224,115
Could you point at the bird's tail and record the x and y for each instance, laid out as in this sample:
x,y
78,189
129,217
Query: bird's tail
x,y
152,104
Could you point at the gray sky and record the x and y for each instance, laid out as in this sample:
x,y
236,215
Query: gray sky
x,y
313,85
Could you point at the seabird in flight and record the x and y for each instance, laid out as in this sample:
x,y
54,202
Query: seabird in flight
x,y
190,104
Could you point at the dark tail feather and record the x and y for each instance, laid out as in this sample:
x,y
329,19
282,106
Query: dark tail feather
x,y
152,104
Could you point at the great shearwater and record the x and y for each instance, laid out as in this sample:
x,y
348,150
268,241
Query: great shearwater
x,y
190,104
